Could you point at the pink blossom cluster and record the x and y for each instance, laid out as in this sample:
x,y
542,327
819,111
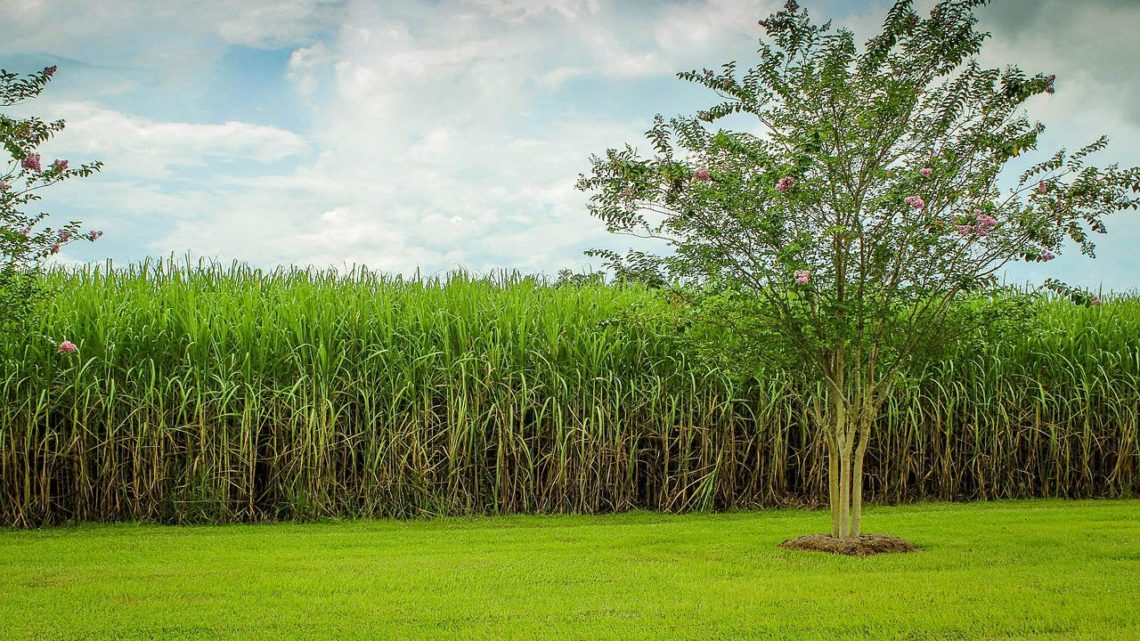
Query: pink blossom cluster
x,y
32,163
94,234
785,184
702,174
50,71
803,276
915,201
59,165
67,347
926,171
1042,187
983,224
1047,256
1095,300
64,235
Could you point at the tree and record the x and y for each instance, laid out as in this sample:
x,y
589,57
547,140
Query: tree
x,y
23,247
869,204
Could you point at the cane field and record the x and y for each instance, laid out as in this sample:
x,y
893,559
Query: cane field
x,y
216,394
304,454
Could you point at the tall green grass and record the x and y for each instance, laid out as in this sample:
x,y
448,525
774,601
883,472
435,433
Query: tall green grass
x,y
226,393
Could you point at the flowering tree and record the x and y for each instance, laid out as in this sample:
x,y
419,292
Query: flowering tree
x,y
868,204
24,244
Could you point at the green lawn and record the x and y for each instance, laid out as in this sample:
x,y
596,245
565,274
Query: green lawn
x,y
1008,570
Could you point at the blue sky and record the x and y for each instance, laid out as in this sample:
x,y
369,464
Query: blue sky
x,y
435,135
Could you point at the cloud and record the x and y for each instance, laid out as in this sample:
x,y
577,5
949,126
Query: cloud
x,y
273,24
451,133
432,155
1090,46
146,149
67,28
521,10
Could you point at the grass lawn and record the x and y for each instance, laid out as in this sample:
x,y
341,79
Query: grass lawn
x,y
1008,570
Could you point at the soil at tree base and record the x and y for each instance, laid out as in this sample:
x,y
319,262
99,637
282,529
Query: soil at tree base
x,y
865,545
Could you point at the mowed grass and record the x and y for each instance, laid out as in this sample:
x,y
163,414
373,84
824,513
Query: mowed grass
x,y
1005,570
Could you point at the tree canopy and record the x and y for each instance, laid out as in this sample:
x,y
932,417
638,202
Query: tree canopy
x,y
867,198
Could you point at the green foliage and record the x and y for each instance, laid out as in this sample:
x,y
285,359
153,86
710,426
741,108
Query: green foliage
x,y
221,394
844,235
876,178
23,247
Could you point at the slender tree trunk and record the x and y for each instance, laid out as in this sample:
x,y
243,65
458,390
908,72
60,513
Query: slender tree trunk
x,y
857,488
844,492
833,484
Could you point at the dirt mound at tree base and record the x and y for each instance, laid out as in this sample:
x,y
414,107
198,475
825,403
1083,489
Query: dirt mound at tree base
x,y
865,545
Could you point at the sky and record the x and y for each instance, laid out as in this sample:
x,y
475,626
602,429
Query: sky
x,y
436,135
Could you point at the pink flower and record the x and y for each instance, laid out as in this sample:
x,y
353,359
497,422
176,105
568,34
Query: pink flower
x,y
49,71
702,174
32,162
803,276
926,171
94,234
67,347
59,165
965,230
985,224
27,232
64,235
785,184
1047,256
54,248
4,186
915,201
1042,187
1094,300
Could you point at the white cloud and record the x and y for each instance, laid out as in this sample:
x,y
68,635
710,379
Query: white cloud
x,y
146,149
521,10
271,24
451,133
67,28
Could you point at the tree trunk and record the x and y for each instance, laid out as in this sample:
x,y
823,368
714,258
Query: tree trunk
x,y
857,491
846,449
833,484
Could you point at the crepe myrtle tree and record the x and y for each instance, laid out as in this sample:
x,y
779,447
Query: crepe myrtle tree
x,y
866,206
24,242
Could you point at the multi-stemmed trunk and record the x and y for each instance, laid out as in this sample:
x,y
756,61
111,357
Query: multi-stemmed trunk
x,y
847,429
